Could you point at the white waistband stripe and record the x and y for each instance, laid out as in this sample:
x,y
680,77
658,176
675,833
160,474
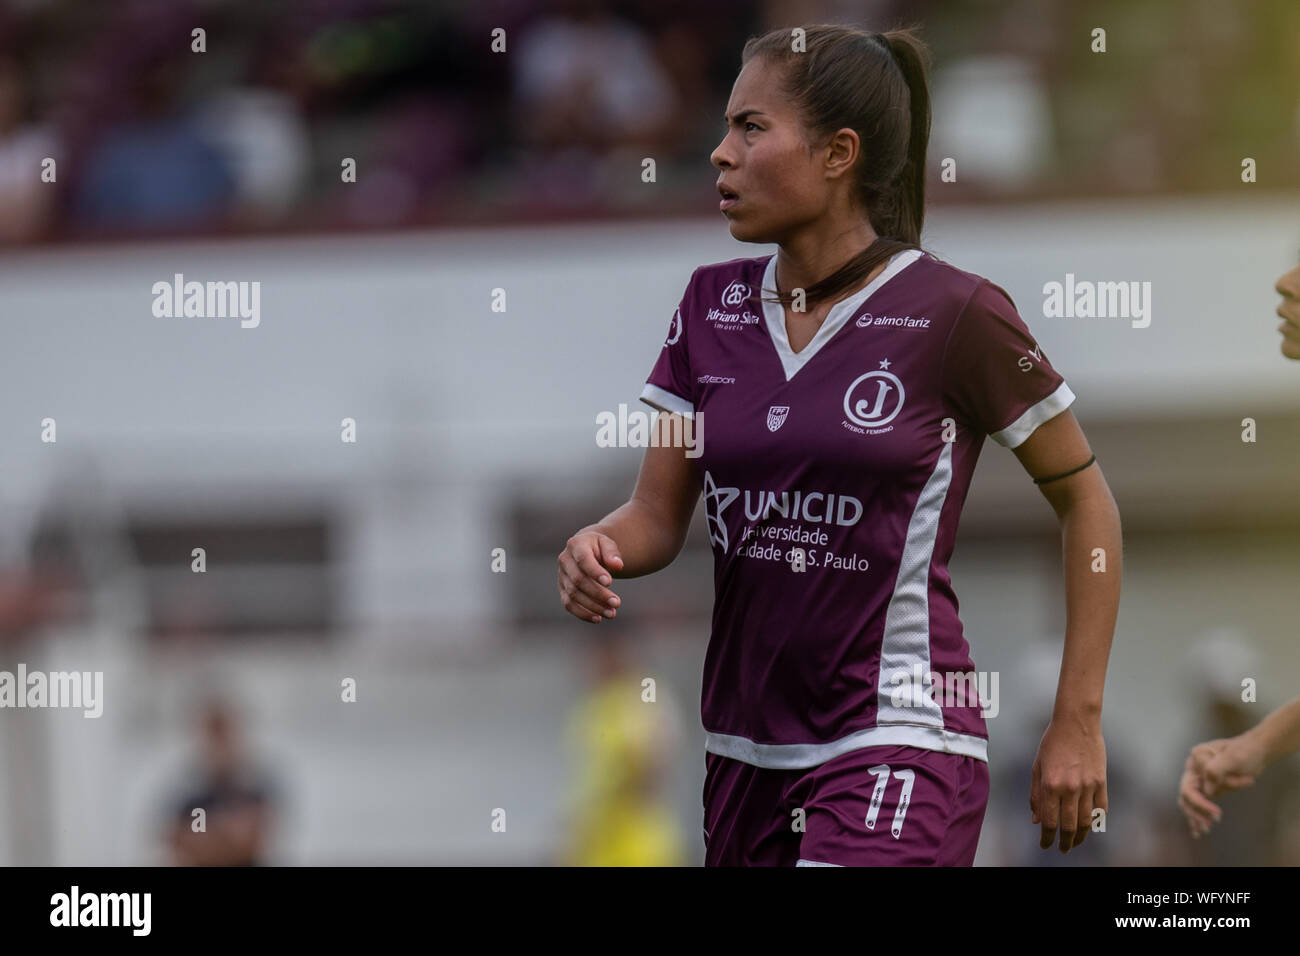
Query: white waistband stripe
x,y
801,756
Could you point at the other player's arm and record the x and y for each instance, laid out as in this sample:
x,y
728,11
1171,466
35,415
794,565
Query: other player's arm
x,y
639,537
1218,766
1069,774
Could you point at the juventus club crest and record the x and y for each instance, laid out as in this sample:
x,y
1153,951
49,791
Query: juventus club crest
x,y
776,416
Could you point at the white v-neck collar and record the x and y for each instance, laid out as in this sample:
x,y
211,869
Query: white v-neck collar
x,y
840,312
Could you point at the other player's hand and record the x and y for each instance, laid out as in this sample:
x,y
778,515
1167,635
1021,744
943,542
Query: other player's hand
x,y
1068,780
1212,768
586,566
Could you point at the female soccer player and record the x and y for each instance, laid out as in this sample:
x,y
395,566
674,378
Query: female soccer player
x,y
846,409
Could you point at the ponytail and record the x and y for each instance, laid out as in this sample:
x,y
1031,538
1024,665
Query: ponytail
x,y
903,212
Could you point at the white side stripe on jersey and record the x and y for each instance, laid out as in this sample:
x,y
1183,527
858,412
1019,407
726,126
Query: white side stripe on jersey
x,y
1035,415
905,645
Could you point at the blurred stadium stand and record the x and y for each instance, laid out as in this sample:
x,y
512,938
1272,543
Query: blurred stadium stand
x,y
152,138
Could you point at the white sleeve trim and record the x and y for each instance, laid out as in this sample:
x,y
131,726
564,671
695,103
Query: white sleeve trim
x,y
1035,415
667,401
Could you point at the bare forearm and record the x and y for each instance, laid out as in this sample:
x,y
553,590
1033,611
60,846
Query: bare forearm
x,y
1092,546
1278,734
647,540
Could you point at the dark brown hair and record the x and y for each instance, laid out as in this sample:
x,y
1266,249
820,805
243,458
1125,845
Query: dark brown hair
x,y
874,84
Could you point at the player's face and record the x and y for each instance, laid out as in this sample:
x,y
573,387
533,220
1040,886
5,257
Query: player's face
x,y
765,161
1289,288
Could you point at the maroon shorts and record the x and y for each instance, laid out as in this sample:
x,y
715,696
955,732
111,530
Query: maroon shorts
x,y
876,806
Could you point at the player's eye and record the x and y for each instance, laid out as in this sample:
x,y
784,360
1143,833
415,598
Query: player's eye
x,y
750,123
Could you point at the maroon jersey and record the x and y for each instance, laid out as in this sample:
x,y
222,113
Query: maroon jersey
x,y
833,481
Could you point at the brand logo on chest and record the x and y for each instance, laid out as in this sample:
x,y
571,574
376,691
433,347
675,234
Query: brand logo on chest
x,y
734,313
873,400
866,319
735,295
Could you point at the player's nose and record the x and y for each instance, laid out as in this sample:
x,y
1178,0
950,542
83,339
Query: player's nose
x,y
1289,285
721,155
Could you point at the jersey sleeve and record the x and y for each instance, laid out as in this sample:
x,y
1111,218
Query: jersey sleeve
x,y
671,387
995,376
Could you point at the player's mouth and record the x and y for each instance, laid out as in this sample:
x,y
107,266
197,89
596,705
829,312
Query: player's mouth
x,y
729,197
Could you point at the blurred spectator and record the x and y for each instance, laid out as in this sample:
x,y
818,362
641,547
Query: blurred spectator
x,y
237,798
586,78
626,746
156,170
25,201
992,114
258,127
587,84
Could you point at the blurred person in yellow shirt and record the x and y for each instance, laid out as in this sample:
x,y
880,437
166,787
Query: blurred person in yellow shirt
x,y
623,742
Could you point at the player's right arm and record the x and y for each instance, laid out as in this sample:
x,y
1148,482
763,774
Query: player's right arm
x,y
639,537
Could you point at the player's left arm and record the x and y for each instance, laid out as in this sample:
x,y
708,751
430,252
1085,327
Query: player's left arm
x,y
1069,774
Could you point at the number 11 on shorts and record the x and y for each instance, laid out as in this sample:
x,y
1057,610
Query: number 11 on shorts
x,y
881,773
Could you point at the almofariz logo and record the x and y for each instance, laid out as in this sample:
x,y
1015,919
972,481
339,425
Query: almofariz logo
x,y
83,690
102,909
897,321
213,300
